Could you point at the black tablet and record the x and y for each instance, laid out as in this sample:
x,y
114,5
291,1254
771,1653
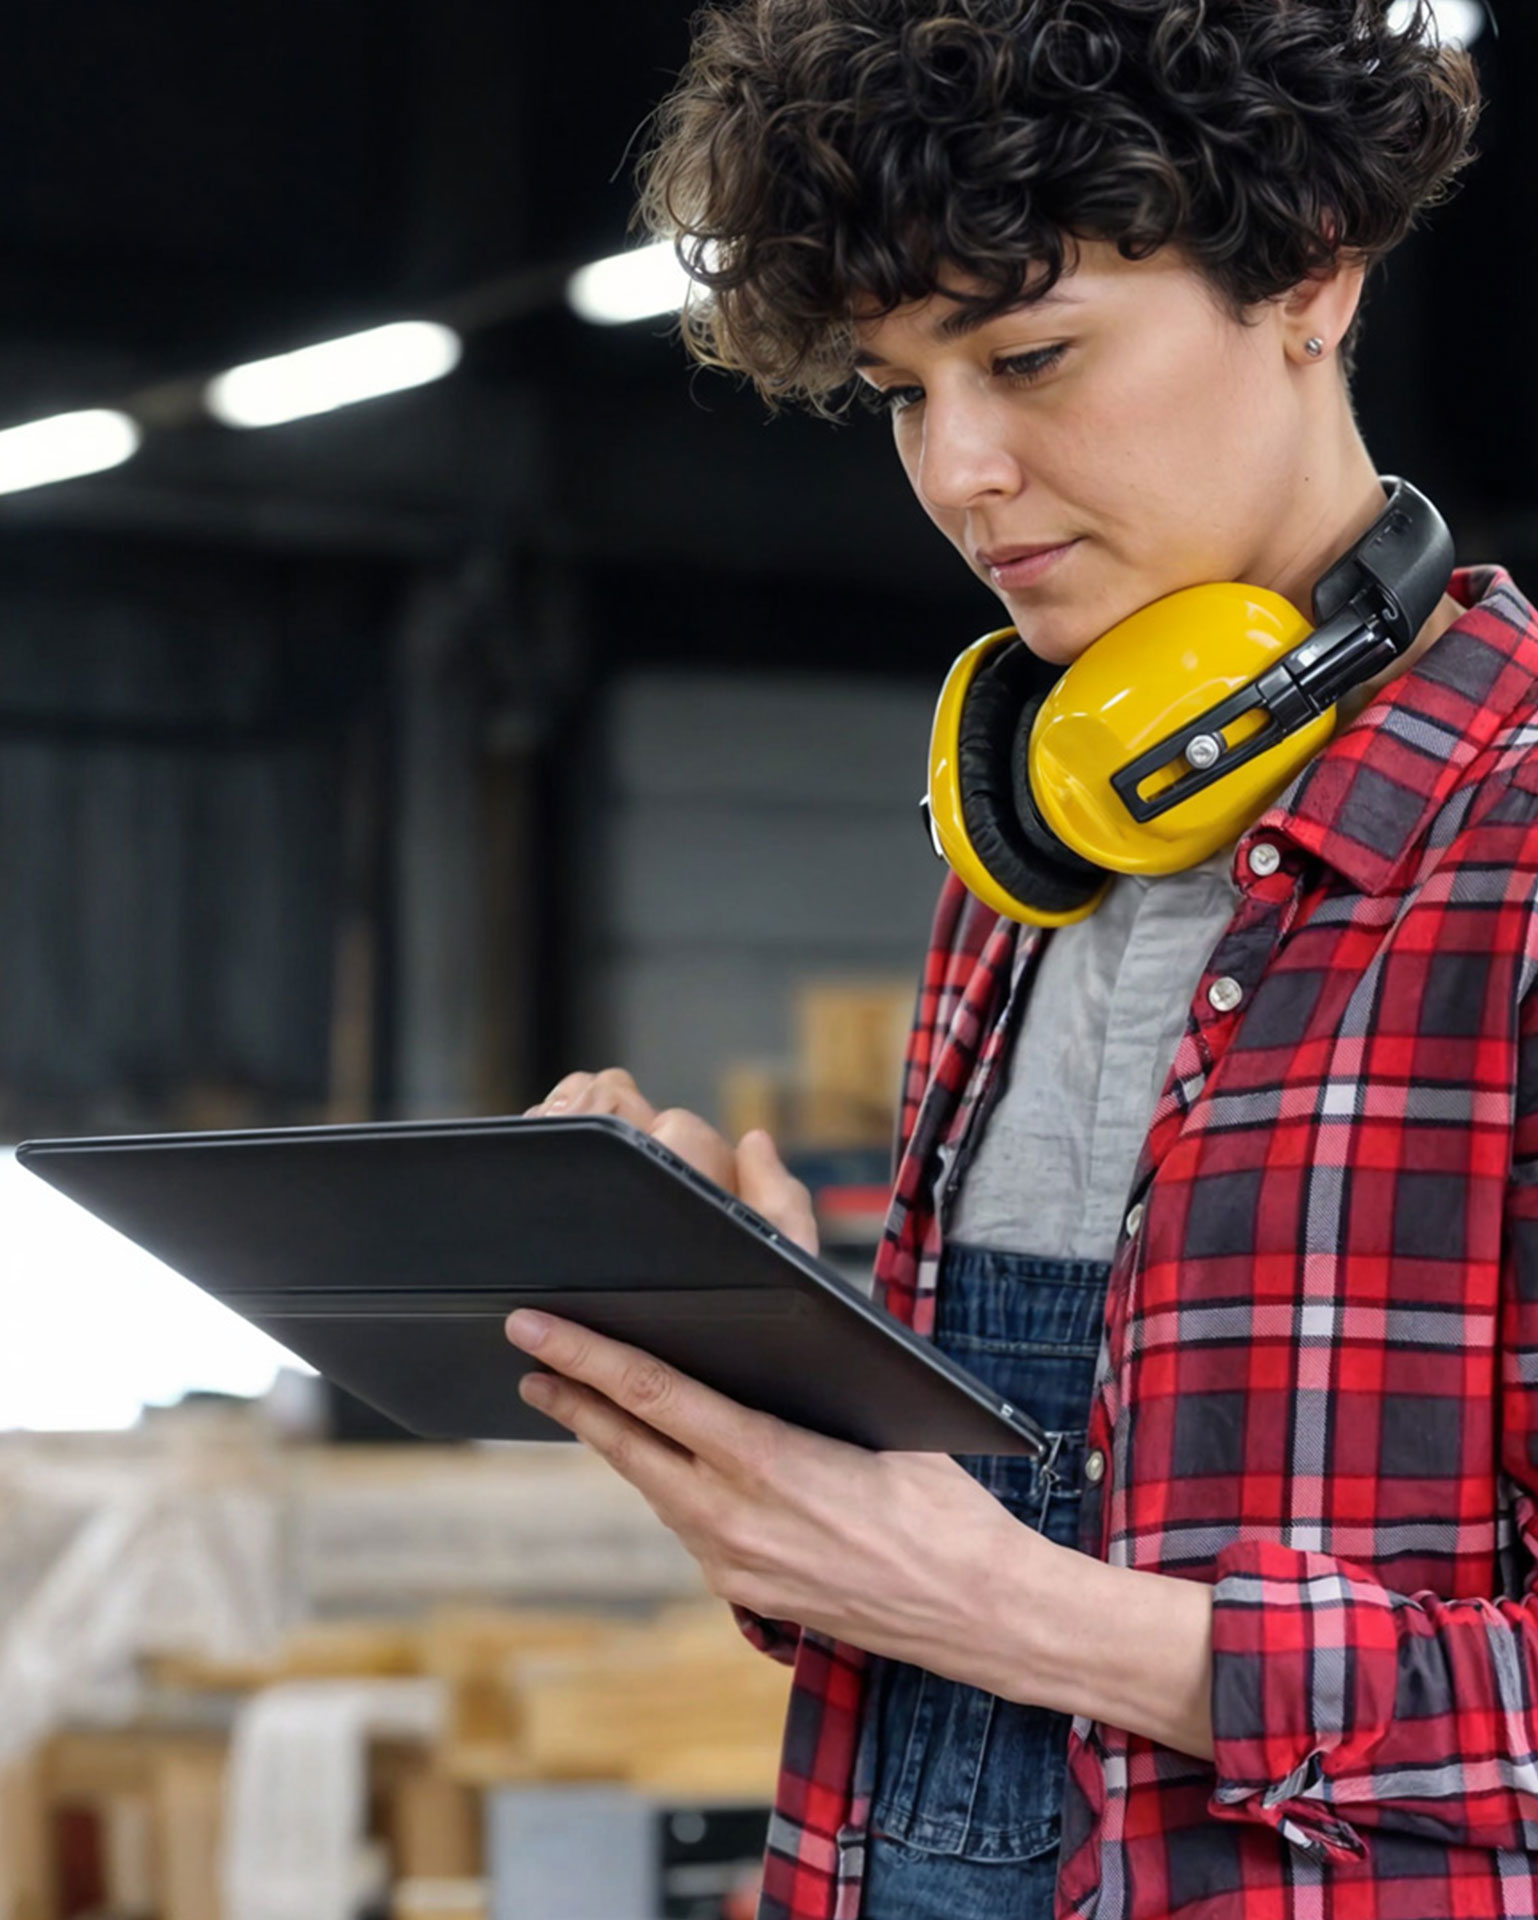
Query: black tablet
x,y
389,1255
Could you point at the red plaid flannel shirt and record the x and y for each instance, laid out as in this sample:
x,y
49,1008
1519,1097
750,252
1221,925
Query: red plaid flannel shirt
x,y
1318,1385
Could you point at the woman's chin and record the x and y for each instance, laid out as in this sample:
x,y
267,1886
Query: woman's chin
x,y
1057,636
1061,631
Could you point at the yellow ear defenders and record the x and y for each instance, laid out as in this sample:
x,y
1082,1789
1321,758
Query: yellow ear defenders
x,y
1173,732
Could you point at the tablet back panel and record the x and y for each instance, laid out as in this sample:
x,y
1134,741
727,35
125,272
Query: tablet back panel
x,y
495,1204
389,1256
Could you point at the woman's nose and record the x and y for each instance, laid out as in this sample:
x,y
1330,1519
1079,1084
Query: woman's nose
x,y
964,458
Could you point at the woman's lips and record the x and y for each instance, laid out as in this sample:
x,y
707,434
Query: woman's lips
x,y
1026,568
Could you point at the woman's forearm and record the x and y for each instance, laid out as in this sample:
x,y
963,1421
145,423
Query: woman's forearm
x,y
1133,1650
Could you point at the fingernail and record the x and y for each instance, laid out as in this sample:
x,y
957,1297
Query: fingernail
x,y
527,1329
536,1387
556,1106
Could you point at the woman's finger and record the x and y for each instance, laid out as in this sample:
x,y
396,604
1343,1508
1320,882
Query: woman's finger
x,y
615,1091
665,1402
561,1094
612,1091
770,1188
697,1141
640,1452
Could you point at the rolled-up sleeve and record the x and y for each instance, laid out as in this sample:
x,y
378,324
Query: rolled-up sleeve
x,y
1339,1704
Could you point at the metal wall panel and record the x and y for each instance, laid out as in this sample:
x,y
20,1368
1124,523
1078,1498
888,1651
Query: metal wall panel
x,y
753,832
170,760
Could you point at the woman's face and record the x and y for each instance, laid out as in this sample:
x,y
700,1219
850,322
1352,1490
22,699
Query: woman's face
x,y
1128,424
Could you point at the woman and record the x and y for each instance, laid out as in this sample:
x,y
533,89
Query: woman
x,y
1232,1181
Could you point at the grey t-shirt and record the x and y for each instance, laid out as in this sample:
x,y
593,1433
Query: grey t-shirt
x,y
1097,1036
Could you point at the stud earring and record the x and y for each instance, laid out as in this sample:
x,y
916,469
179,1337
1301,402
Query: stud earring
x,y
1314,348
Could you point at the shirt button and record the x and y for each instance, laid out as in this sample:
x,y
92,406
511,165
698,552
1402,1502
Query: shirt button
x,y
1134,1220
1265,858
1094,1467
1225,994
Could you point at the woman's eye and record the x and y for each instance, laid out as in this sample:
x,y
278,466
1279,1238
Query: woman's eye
x,y
1031,366
1019,367
889,399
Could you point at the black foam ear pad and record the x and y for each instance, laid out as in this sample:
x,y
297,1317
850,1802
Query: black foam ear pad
x,y
1002,819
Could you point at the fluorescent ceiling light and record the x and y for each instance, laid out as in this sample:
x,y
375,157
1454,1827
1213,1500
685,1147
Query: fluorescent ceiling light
x,y
92,1328
265,393
1457,23
65,446
630,286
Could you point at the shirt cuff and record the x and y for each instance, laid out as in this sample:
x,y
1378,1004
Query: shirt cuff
x,y
1305,1656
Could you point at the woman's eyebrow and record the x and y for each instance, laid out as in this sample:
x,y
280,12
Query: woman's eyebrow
x,y
965,320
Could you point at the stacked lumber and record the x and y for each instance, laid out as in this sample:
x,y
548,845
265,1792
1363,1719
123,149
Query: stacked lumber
x,y
679,1706
121,1821
566,1631
839,1089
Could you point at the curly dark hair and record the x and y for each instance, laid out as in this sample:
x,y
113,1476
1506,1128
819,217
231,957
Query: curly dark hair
x,y
822,156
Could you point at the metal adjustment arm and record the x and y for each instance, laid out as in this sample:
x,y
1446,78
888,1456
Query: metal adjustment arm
x,y
1370,606
1300,687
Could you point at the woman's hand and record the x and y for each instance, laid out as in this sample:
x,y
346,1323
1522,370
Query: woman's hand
x,y
904,1554
752,1169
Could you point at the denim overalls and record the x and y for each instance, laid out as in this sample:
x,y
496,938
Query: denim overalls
x,y
968,1788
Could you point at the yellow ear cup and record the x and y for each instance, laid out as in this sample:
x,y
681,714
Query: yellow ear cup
x,y
975,750
1022,754
1173,732
1156,672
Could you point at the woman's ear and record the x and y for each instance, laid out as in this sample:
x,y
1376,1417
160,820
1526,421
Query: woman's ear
x,y
1318,313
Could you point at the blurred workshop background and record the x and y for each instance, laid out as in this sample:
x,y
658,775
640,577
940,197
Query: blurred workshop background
x,y
389,759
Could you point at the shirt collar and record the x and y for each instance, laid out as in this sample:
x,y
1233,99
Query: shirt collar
x,y
1365,802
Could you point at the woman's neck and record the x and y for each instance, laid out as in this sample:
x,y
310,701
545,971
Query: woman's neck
x,y
1447,613
1340,512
